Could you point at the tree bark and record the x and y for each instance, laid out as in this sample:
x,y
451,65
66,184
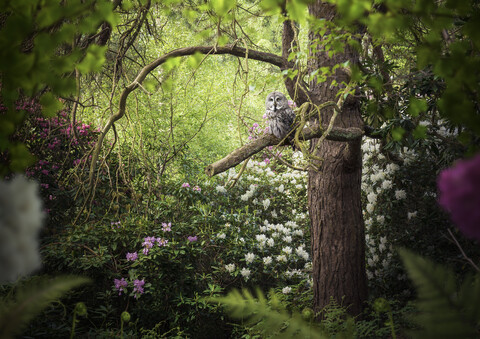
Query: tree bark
x,y
337,228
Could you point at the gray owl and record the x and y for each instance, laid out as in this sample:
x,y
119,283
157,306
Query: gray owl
x,y
279,114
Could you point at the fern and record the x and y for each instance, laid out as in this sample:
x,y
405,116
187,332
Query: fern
x,y
269,317
445,311
30,299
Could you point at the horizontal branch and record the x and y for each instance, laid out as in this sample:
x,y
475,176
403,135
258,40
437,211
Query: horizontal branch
x,y
246,151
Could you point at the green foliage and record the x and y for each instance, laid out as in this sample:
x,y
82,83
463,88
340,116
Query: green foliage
x,y
38,53
29,298
446,311
268,317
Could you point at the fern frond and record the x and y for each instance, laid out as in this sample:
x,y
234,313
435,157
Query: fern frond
x,y
445,312
30,299
269,317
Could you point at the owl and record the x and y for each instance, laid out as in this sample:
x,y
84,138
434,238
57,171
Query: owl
x,y
279,114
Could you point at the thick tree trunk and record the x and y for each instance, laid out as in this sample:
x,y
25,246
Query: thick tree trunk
x,y
337,229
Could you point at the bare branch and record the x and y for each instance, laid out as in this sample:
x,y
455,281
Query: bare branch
x,y
246,151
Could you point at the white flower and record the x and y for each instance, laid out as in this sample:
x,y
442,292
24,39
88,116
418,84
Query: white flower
x,y
298,232
221,189
266,203
275,235
375,258
286,290
267,260
270,242
21,218
382,247
221,236
261,238
369,275
370,262
281,258
381,219
411,215
281,188
291,224
287,250
400,194
287,239
370,208
249,257
274,214
245,272
372,198
302,253
230,268
387,184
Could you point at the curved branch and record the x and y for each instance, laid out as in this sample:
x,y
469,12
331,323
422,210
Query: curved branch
x,y
214,50
246,151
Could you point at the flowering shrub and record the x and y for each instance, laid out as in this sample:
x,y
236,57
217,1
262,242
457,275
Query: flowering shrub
x,y
59,147
401,210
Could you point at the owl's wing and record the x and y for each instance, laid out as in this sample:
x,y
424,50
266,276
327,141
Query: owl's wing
x,y
290,116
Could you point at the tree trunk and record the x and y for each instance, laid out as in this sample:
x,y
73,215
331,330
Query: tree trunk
x,y
337,229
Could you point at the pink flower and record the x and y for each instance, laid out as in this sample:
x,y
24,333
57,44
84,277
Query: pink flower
x,y
459,194
185,185
138,287
192,238
132,256
120,285
197,188
166,227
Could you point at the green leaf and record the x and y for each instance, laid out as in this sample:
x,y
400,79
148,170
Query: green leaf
x,y
30,299
50,104
268,316
195,59
420,132
221,7
171,63
445,312
20,158
417,106
93,60
297,10
397,133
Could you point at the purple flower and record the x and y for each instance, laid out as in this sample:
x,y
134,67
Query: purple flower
x,y
132,256
138,287
185,185
459,194
192,238
145,251
166,227
120,285
162,242
197,188
148,242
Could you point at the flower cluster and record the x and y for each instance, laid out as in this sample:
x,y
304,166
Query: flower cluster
x,y
148,243
122,284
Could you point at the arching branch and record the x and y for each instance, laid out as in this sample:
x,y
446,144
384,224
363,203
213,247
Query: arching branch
x,y
213,50
246,151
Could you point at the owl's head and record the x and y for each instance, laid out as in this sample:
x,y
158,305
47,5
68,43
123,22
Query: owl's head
x,y
276,101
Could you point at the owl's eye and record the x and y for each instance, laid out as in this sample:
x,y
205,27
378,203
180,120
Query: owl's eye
x,y
278,99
